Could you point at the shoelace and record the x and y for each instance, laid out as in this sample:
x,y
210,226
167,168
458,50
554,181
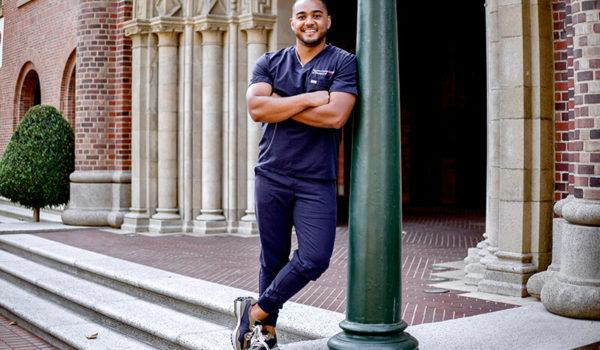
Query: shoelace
x,y
258,338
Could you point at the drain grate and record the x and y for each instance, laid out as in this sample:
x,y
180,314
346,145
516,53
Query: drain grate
x,y
439,268
436,291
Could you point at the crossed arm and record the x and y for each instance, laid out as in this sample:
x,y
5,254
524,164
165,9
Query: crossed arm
x,y
319,108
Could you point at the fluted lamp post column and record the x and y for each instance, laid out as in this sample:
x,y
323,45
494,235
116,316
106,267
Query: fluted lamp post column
x,y
373,316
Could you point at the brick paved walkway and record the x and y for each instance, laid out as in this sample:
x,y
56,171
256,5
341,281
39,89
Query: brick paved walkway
x,y
16,338
431,238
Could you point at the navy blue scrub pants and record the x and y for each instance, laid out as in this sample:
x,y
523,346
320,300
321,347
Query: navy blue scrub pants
x,y
309,206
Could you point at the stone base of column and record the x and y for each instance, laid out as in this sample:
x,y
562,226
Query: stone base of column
x,y
248,224
474,269
210,222
508,275
137,220
571,300
575,292
165,221
537,281
98,198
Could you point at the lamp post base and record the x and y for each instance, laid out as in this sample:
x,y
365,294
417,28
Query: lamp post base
x,y
347,341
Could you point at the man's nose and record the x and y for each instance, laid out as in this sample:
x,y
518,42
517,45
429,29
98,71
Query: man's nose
x,y
310,20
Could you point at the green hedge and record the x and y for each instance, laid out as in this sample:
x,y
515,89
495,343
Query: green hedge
x,y
35,167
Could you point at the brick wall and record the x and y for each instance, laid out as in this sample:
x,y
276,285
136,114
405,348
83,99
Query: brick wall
x,y
584,138
103,82
563,71
40,35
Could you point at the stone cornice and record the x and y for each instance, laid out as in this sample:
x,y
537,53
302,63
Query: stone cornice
x,y
154,25
167,24
257,21
211,22
137,26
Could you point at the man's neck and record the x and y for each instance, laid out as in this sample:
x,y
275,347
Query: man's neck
x,y
307,53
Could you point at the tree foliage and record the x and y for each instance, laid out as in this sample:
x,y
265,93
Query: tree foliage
x,y
37,162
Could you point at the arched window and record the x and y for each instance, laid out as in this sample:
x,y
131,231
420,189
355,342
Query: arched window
x,y
67,90
29,92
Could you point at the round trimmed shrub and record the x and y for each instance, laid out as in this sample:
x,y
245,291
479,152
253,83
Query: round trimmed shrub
x,y
37,162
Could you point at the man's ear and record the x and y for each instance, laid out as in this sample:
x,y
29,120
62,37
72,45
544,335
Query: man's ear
x,y
328,22
292,24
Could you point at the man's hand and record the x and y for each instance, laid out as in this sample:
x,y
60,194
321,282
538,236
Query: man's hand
x,y
266,106
332,114
318,98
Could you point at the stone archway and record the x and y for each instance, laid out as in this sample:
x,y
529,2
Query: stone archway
x,y
28,92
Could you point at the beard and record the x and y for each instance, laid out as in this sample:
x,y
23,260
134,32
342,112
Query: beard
x,y
311,42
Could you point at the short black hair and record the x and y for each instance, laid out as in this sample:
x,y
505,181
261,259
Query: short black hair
x,y
323,2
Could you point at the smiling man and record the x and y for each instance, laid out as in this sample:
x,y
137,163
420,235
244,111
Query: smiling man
x,y
303,95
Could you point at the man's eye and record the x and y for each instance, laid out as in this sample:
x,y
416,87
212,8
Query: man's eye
x,y
301,17
317,16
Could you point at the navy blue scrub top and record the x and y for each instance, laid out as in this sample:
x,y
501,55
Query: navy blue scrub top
x,y
290,147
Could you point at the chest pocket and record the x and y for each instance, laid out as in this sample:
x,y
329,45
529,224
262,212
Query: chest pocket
x,y
320,80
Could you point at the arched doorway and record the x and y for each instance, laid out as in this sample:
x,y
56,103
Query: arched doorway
x,y
28,92
443,100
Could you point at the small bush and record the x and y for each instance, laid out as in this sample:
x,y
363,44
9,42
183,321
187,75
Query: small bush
x,y
35,167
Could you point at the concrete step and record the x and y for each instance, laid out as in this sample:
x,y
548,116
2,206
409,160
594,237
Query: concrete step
x,y
157,325
142,300
59,326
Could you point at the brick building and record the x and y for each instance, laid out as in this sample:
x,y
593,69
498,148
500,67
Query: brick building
x,y
506,120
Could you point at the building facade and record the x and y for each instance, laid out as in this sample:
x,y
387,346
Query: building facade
x,y
155,90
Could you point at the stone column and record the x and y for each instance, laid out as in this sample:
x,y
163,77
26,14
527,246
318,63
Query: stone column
x,y
257,46
211,218
138,217
187,132
522,124
537,281
167,217
575,292
486,249
101,184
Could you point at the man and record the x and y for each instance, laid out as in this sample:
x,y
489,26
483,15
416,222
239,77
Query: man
x,y
303,95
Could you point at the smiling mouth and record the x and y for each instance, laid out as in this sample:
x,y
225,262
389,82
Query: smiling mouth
x,y
309,31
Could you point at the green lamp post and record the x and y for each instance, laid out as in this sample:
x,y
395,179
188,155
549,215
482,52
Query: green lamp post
x,y
373,316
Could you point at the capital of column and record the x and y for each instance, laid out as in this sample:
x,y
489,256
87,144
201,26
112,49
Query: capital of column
x,y
167,38
256,35
212,36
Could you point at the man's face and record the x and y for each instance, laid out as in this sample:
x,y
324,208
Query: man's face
x,y
310,22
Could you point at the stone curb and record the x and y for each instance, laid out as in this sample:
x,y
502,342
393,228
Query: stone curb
x,y
303,321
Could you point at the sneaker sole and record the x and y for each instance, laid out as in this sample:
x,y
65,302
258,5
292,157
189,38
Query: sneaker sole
x,y
237,311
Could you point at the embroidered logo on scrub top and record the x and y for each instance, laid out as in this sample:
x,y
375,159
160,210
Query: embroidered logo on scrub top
x,y
323,72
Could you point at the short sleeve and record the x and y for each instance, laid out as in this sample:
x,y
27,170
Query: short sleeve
x,y
260,74
346,78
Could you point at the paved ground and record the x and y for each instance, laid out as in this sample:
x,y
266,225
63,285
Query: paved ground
x,y
432,237
14,337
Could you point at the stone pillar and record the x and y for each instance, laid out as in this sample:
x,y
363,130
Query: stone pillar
x,y
257,46
167,217
575,292
101,184
537,281
486,249
138,217
211,218
521,138
187,132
